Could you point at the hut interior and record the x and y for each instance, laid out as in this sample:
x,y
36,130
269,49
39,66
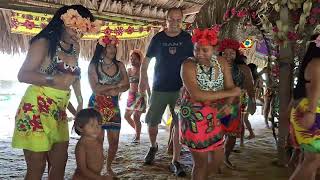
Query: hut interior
x,y
276,31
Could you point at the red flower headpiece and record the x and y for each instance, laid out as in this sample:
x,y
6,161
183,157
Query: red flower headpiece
x,y
229,44
205,37
105,40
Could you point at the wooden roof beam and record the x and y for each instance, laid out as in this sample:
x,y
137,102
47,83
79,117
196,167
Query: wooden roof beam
x,y
190,11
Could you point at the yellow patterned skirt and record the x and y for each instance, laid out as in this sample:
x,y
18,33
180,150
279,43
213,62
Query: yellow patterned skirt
x,y
307,139
41,119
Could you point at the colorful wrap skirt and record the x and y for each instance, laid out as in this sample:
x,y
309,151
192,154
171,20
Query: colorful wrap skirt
x,y
136,101
108,106
200,129
41,119
231,123
308,139
244,99
292,138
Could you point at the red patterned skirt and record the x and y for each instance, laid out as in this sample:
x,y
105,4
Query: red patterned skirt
x,y
200,129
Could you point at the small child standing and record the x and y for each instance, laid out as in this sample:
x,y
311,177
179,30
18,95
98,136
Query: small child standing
x,y
89,149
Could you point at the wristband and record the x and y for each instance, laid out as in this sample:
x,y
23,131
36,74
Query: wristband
x,y
49,79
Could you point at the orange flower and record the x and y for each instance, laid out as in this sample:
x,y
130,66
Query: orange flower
x,y
95,26
74,20
70,17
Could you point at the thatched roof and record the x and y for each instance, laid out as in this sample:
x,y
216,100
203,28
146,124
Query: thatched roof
x,y
146,11
236,28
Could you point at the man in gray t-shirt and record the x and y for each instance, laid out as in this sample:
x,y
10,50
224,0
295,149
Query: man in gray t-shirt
x,y
170,48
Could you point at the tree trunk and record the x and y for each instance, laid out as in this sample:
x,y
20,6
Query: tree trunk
x,y
286,62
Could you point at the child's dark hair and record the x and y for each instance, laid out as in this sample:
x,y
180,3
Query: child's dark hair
x,y
84,116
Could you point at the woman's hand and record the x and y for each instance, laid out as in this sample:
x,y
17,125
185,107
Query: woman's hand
x,y
308,120
63,80
235,91
226,109
252,106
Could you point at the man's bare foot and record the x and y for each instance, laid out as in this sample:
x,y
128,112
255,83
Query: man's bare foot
x,y
251,136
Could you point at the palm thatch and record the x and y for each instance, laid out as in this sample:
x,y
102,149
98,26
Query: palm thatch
x,y
213,12
140,11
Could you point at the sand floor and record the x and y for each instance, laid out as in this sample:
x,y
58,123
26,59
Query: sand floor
x,y
254,161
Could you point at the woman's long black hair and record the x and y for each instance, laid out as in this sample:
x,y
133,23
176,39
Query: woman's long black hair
x,y
53,31
254,71
312,52
240,58
98,55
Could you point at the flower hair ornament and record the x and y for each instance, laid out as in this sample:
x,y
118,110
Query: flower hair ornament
x,y
105,40
229,44
205,37
74,20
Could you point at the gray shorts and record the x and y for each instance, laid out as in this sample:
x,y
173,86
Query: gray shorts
x,y
158,104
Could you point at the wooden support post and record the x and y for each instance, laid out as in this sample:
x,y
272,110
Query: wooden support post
x,y
286,61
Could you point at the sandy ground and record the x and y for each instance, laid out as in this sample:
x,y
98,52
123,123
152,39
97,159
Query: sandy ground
x,y
254,161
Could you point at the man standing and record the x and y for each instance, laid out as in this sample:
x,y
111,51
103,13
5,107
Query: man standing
x,y
170,48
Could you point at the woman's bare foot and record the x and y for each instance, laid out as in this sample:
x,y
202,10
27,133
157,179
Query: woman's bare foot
x,y
229,164
251,136
136,140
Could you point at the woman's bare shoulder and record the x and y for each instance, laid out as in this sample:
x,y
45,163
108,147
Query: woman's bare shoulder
x,y
314,63
190,62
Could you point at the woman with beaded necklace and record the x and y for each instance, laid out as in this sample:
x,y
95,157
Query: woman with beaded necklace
x,y
51,67
241,75
207,81
108,78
